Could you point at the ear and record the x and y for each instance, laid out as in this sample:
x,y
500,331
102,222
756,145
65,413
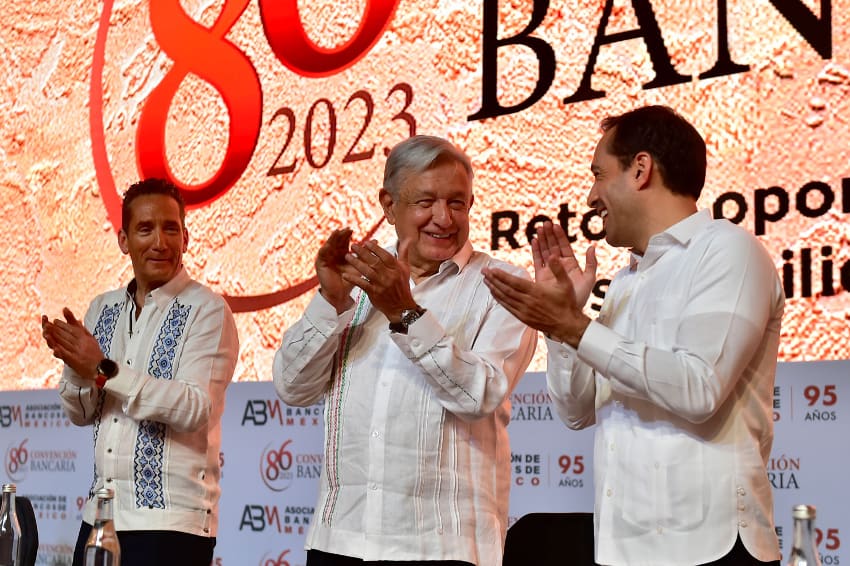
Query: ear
x,y
185,239
642,169
122,242
387,204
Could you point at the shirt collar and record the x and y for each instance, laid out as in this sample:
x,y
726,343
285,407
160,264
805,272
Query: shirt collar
x,y
679,233
164,294
460,259
685,229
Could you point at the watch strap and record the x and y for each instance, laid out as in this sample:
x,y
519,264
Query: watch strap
x,y
408,317
106,370
100,380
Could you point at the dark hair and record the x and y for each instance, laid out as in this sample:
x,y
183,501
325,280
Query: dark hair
x,y
417,154
676,147
151,187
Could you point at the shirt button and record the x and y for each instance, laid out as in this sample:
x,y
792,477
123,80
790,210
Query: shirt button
x,y
742,524
742,507
657,465
415,343
609,492
741,490
115,419
373,486
109,450
108,480
375,434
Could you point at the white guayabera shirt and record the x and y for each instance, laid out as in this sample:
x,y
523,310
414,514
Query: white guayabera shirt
x,y
157,424
678,375
417,458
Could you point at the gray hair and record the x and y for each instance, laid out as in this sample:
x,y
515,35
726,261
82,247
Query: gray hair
x,y
417,154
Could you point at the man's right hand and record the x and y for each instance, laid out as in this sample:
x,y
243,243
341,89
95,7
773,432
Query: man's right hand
x,y
72,343
330,265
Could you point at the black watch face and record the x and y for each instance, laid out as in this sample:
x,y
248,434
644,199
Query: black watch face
x,y
107,367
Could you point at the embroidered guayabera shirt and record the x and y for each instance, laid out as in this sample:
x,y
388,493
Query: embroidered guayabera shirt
x,y
417,458
677,374
157,433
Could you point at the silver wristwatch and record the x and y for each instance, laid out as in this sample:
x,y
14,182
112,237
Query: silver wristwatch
x,y
408,317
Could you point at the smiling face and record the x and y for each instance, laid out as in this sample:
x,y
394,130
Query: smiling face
x,y
614,195
155,239
431,214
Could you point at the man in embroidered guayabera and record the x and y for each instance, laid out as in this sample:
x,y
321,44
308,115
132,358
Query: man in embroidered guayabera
x,y
677,371
147,369
415,363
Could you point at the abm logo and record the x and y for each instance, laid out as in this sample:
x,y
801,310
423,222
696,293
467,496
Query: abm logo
x,y
260,412
9,415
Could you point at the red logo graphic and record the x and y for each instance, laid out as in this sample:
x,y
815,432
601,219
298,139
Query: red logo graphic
x,y
276,467
205,53
279,561
16,461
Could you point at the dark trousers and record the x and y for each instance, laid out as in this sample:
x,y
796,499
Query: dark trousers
x,y
157,548
739,556
319,558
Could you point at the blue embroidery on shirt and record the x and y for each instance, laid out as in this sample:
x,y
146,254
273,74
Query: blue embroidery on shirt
x,y
148,462
104,330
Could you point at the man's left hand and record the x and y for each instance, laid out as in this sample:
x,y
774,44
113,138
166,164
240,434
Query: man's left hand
x,y
549,305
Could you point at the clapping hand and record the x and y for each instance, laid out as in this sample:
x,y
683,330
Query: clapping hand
x,y
553,302
331,265
72,343
384,277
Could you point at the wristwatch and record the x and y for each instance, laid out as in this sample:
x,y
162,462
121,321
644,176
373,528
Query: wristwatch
x,y
408,317
106,369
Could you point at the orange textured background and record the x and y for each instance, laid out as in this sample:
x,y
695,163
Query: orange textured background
x,y
784,122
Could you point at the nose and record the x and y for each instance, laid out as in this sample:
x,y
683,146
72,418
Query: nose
x,y
440,213
592,196
159,238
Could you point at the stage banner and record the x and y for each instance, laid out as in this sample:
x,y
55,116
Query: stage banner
x,y
272,457
275,118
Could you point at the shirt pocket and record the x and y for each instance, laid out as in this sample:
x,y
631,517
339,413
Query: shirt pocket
x,y
664,485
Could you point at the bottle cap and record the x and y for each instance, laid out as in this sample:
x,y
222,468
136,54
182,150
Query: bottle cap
x,y
804,512
104,493
9,488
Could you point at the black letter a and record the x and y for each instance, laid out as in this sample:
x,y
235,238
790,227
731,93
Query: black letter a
x,y
665,74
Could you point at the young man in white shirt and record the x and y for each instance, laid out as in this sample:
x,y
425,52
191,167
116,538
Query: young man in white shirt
x,y
148,371
677,372
415,362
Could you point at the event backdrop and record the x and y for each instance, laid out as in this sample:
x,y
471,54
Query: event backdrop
x,y
272,456
275,116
